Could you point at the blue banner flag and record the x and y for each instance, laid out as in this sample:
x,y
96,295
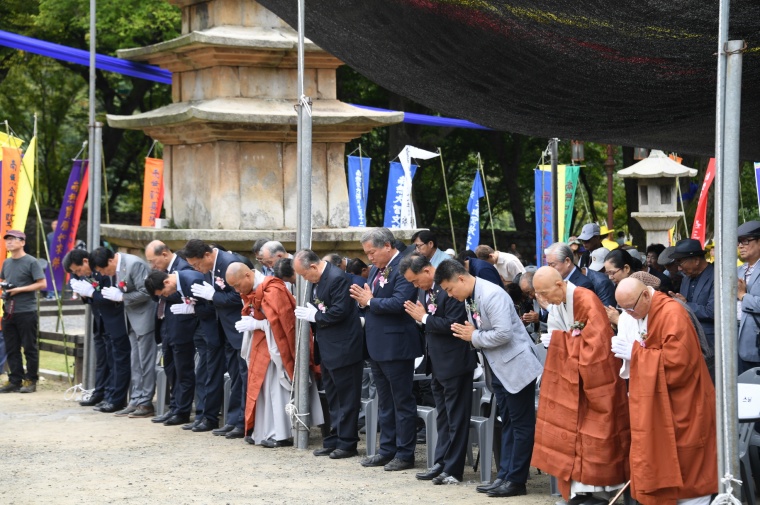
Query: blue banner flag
x,y
543,196
358,186
394,198
473,208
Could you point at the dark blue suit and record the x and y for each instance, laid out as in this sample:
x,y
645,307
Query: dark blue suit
x,y
485,270
229,305
603,287
103,357
177,332
451,362
339,343
115,326
577,278
702,300
393,343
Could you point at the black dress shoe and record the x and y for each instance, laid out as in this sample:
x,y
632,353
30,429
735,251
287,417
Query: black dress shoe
x,y
110,408
162,418
177,419
484,488
235,433
100,404
223,430
445,478
431,473
376,460
270,443
249,440
324,451
192,425
508,489
397,464
92,401
203,426
343,454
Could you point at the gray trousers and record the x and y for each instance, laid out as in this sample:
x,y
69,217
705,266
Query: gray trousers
x,y
143,360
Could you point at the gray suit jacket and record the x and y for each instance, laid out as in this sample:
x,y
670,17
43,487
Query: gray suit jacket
x,y
503,338
750,307
139,307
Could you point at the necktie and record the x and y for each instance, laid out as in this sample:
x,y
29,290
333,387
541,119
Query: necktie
x,y
161,312
429,296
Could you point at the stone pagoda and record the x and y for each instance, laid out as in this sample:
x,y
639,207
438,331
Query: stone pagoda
x,y
230,134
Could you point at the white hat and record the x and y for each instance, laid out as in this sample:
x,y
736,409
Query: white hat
x,y
450,252
597,258
589,230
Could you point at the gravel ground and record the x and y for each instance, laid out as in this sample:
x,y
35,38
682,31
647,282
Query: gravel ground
x,y
55,451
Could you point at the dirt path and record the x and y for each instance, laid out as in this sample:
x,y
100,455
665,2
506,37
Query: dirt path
x,y
56,452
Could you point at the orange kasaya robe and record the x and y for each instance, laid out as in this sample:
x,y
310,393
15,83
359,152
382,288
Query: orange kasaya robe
x,y
672,402
272,301
582,424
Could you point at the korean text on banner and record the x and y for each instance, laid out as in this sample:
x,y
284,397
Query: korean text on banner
x,y
153,191
61,235
543,196
11,171
473,209
358,188
567,181
698,230
396,197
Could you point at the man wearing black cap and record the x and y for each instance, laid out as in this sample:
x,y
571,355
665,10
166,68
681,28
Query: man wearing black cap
x,y
697,288
748,296
20,319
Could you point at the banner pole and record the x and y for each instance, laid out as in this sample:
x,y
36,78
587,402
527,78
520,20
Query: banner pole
x,y
488,200
448,203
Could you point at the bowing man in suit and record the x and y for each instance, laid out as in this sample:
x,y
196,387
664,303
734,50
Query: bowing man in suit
x,y
748,295
129,273
560,257
480,268
450,361
511,366
339,346
112,331
393,343
213,264
176,325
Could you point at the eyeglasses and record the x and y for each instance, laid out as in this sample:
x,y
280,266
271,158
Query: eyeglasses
x,y
632,309
419,246
746,241
612,273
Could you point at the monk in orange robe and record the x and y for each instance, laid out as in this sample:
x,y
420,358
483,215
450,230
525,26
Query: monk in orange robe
x,y
582,429
672,402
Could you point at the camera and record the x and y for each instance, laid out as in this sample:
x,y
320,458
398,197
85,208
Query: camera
x,y
5,286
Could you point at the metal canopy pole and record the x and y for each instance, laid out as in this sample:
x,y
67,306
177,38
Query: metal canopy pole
x,y
303,241
726,219
88,377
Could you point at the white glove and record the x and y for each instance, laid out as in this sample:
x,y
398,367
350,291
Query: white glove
x,y
546,338
247,323
182,308
259,324
81,287
206,291
362,320
622,348
308,313
113,294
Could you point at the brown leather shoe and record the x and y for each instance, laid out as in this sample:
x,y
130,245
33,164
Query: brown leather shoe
x,y
143,411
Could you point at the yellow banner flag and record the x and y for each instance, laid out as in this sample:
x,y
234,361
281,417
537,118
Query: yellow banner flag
x,y
10,141
25,187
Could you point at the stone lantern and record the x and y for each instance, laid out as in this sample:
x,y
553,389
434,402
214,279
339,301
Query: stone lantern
x,y
658,201
230,134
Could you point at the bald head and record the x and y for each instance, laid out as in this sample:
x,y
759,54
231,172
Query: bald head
x,y
158,255
549,286
240,277
634,297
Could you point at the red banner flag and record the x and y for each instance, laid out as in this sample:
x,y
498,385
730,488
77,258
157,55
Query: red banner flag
x,y
78,206
700,219
153,191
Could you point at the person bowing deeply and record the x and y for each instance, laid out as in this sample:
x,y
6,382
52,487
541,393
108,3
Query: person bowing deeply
x,y
339,347
450,363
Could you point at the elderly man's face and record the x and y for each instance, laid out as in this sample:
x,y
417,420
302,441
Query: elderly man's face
x,y
422,280
636,304
549,293
243,284
563,267
378,256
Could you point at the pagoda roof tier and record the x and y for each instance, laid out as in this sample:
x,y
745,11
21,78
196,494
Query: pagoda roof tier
x,y
252,119
232,46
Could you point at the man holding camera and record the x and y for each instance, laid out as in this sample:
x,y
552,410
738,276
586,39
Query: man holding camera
x,y
20,276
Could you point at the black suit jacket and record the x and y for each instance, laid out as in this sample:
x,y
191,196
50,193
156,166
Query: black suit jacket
x,y
338,330
112,313
204,309
176,328
391,333
581,280
448,356
486,271
227,301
